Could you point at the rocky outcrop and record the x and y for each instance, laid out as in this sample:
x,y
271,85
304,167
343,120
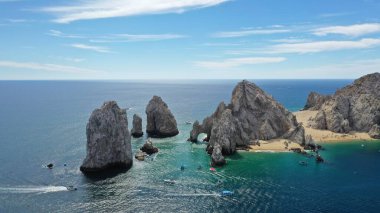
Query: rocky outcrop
x,y
374,132
148,147
353,108
226,133
140,155
197,129
137,126
160,121
251,115
108,140
296,134
315,101
217,158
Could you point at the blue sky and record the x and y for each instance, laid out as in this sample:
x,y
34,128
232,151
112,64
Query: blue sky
x,y
189,39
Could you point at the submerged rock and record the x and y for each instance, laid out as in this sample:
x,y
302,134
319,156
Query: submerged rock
x,y
217,158
108,140
375,131
148,147
353,108
315,101
251,115
319,159
137,126
160,121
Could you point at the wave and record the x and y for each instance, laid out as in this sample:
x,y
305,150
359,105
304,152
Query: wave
x,y
191,195
33,189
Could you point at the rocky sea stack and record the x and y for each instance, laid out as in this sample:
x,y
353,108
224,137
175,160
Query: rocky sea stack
x,y
315,101
148,147
137,127
108,140
355,107
251,115
160,120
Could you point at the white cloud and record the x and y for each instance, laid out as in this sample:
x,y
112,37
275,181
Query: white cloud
x,y
60,34
70,59
92,48
221,44
323,46
351,30
45,67
118,38
331,15
349,69
290,40
135,38
18,20
95,9
243,33
235,62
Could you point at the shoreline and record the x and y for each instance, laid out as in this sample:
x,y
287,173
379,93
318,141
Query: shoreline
x,y
319,136
275,146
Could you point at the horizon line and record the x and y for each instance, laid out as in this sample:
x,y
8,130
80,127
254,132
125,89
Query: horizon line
x,y
178,79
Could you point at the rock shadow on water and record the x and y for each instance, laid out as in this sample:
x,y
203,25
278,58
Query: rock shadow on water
x,y
110,171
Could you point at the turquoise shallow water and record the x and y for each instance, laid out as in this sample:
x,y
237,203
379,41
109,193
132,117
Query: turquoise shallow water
x,y
43,122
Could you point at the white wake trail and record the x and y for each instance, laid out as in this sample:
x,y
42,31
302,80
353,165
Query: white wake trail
x,y
33,189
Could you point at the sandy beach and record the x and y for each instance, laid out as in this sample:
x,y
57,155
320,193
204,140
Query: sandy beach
x,y
322,136
326,135
275,145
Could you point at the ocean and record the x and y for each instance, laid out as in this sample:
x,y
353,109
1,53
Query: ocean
x,y
44,122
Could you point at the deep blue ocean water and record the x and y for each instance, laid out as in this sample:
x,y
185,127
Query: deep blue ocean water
x,y
44,122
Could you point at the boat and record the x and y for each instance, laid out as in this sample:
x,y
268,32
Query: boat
x,y
212,169
188,122
227,193
71,188
169,181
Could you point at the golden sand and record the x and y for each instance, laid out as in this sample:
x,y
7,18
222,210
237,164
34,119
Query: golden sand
x,y
274,145
278,145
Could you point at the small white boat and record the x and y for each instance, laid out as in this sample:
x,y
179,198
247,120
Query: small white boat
x,y
169,181
188,122
227,193
71,188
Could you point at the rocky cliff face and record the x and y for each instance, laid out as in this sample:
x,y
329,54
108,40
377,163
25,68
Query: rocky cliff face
x,y
252,114
315,101
137,126
108,140
217,158
160,121
374,132
353,108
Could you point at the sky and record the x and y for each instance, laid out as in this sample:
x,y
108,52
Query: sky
x,y
188,39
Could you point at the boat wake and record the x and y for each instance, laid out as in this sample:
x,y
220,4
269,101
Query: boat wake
x,y
193,195
33,189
